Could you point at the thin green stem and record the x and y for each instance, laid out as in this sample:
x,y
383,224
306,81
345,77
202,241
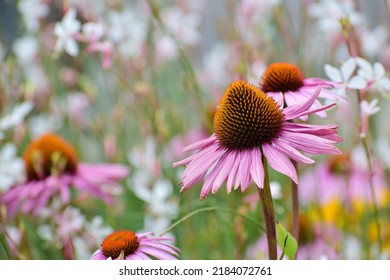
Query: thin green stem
x,y
4,244
268,213
372,191
295,206
212,208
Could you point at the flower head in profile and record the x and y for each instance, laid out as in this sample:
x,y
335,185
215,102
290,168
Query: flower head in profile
x,y
52,167
285,83
247,125
128,245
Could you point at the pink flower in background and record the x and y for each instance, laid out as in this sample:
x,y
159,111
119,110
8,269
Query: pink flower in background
x,y
344,178
248,124
52,168
128,245
285,83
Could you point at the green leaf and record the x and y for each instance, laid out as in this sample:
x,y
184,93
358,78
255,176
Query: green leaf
x,y
287,242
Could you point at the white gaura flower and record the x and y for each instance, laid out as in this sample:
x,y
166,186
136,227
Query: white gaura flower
x,y
370,108
375,76
344,76
66,31
32,11
16,116
11,167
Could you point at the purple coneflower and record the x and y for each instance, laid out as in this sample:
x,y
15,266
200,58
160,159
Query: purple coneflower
x,y
52,167
285,83
247,125
128,245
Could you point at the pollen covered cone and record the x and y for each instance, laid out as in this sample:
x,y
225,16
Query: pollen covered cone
x,y
281,77
246,117
119,241
40,156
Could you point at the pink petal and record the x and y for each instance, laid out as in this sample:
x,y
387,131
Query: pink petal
x,y
295,111
233,172
257,169
290,151
244,170
226,163
280,162
201,144
278,97
161,255
309,143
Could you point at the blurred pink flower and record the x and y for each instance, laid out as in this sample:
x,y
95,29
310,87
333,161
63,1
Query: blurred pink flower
x,y
344,178
52,167
248,123
128,245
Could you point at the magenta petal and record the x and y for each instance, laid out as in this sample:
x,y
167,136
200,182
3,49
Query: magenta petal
x,y
298,110
280,162
226,163
278,97
244,170
161,255
141,255
291,152
310,143
233,172
201,144
257,169
98,255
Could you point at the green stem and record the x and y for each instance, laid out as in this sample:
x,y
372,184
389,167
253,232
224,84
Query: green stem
x,y
268,213
372,191
295,207
212,208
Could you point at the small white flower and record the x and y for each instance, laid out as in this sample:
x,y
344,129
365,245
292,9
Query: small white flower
x,y
11,167
16,116
375,75
66,31
370,108
32,11
344,75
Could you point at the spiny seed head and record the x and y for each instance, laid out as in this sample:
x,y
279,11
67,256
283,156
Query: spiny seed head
x,y
281,77
47,152
246,117
115,243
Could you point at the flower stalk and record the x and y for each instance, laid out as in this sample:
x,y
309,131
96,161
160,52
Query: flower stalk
x,y
268,212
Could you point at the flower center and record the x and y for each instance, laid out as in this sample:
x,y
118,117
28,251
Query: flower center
x,y
49,154
246,117
119,241
306,230
281,77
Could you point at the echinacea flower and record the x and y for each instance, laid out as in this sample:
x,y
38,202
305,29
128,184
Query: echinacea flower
x,y
52,167
247,125
285,83
128,245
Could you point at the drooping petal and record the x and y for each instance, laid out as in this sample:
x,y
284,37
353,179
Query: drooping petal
x,y
226,166
201,144
243,174
310,143
291,152
280,162
257,169
233,173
